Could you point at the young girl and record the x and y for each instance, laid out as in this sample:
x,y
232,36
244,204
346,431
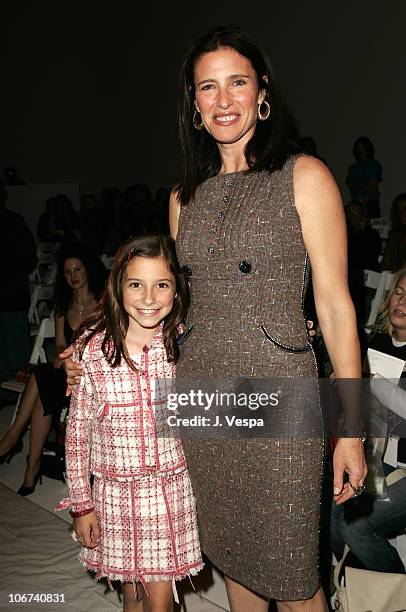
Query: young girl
x,y
138,523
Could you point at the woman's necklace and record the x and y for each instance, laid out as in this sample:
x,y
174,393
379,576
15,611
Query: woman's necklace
x,y
81,306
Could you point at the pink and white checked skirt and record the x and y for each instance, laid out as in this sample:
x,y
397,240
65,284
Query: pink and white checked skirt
x,y
148,529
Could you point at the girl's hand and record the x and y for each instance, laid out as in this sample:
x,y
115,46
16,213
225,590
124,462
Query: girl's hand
x,y
348,459
72,369
87,530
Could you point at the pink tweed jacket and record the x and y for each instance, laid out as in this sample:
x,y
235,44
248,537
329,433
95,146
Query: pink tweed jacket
x,y
117,426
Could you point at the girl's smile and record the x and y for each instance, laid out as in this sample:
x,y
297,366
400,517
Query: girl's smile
x,y
148,293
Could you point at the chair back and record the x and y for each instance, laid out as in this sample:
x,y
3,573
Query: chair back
x,y
46,330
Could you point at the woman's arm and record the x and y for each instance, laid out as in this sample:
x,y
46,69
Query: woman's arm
x,y
321,213
174,212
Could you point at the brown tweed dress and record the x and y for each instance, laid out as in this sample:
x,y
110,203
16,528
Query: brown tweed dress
x,y
258,498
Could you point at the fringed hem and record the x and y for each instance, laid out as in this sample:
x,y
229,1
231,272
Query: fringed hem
x,y
100,572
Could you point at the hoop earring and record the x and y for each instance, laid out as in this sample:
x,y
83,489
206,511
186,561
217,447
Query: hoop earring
x,y
264,117
197,126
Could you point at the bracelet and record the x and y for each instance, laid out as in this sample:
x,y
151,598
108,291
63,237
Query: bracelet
x,y
345,433
80,513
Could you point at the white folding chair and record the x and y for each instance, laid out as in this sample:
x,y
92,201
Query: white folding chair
x,y
40,294
381,282
46,330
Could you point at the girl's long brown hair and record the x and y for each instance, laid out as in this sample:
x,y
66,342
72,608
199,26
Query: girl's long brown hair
x,y
112,318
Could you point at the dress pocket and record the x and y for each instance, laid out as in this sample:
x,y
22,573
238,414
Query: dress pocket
x,y
286,347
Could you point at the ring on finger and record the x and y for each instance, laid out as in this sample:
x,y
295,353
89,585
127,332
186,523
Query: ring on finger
x,y
357,490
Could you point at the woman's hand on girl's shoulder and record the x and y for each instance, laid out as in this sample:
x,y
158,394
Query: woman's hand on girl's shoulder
x,y
72,369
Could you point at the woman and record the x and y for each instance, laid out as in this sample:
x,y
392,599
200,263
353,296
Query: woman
x,y
245,215
364,525
79,284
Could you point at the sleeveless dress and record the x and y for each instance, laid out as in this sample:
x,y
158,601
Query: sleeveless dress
x,y
51,383
258,498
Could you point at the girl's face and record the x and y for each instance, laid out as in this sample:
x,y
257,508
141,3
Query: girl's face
x,y
397,309
75,273
227,95
148,292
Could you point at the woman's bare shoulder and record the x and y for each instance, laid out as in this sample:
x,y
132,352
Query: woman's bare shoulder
x,y
314,184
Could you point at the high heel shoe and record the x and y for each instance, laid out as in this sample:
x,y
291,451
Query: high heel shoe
x,y
17,448
24,490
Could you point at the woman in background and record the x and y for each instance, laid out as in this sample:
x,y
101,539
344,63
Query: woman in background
x,y
79,285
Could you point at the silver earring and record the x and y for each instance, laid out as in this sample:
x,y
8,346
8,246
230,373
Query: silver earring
x,y
198,126
264,117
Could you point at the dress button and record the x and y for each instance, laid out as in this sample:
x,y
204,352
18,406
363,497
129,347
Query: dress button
x,y
220,214
245,266
145,349
228,551
149,404
214,229
186,271
210,249
229,182
226,199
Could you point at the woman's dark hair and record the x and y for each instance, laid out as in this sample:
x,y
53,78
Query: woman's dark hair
x,y
112,318
273,140
96,275
368,146
396,223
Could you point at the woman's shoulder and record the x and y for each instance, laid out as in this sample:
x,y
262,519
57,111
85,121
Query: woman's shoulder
x,y
314,187
308,167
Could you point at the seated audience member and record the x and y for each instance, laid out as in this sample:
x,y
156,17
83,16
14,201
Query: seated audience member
x,y
79,285
18,257
364,523
394,257
364,176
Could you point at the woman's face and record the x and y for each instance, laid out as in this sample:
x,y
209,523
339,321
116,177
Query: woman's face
x,y
75,273
227,95
397,309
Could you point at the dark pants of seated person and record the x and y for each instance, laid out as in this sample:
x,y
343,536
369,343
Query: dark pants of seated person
x,y
365,523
